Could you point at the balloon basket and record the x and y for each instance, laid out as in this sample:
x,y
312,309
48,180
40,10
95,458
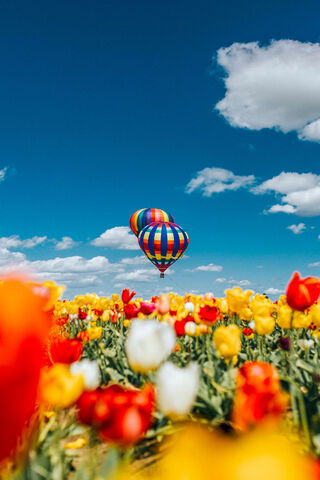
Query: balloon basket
x,y
161,275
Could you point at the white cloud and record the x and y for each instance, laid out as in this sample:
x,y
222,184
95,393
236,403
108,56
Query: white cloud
x,y
217,180
7,257
220,280
211,267
138,260
65,243
273,86
14,241
315,264
140,275
273,291
3,173
118,238
74,271
281,208
231,281
300,193
296,229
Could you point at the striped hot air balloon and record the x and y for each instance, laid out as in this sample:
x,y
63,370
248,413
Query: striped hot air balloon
x,y
145,216
163,243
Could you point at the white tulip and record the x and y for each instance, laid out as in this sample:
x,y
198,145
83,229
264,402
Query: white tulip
x,y
252,324
177,388
305,343
148,344
190,328
189,306
90,372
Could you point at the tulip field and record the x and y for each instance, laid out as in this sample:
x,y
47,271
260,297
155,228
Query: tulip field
x,y
169,388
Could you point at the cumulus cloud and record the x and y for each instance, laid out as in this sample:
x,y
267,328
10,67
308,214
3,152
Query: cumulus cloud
x,y
299,192
217,180
3,173
274,291
65,243
231,281
74,271
272,86
118,238
315,264
140,275
138,260
14,241
220,280
296,229
211,267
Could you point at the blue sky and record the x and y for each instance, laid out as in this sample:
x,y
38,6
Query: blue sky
x,y
108,107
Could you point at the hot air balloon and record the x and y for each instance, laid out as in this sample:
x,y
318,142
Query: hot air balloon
x,y
163,243
145,216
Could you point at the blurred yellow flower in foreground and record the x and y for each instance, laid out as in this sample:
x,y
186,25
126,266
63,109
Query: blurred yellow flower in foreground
x,y
237,299
227,340
58,387
197,454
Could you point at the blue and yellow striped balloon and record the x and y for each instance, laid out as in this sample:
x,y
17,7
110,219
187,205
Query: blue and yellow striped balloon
x,y
145,216
163,243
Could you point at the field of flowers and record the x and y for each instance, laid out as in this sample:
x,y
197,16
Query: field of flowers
x,y
177,387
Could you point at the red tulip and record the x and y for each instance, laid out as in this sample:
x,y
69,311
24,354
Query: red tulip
x,y
65,350
258,395
126,296
209,314
24,327
82,315
302,293
121,415
147,308
130,311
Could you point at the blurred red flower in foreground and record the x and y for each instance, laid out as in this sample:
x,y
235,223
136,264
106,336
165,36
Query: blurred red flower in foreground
x,y
121,415
126,296
23,332
65,350
258,395
302,293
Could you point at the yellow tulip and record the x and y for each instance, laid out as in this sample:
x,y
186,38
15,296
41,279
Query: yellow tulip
x,y
222,304
94,333
237,299
314,313
246,314
227,340
284,316
261,306
264,325
300,320
58,387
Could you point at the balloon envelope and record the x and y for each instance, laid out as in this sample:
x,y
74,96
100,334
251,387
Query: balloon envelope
x,y
145,216
163,243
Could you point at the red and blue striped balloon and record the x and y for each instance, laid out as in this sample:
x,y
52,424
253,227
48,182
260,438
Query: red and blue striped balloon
x,y
145,216
163,243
